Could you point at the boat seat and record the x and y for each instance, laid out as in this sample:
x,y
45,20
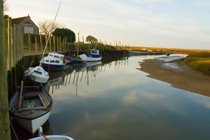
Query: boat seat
x,y
44,99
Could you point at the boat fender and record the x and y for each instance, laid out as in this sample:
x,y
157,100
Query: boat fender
x,y
40,131
64,60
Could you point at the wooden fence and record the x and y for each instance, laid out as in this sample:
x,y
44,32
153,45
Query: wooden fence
x,y
19,45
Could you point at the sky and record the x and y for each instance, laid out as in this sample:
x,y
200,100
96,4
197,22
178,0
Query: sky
x,y
150,23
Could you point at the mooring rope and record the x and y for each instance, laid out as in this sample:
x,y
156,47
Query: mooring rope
x,y
16,136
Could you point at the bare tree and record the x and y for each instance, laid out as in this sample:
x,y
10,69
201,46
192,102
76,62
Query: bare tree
x,y
46,27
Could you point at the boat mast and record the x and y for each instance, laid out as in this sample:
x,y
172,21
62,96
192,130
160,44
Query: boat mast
x,y
78,46
48,36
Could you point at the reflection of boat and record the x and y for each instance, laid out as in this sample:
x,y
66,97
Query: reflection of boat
x,y
53,61
30,107
73,60
37,74
50,137
77,61
91,64
79,67
56,81
94,55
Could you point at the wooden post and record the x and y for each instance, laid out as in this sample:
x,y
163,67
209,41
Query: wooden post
x,y
40,39
4,113
29,44
36,45
8,39
46,49
56,44
60,45
14,48
50,43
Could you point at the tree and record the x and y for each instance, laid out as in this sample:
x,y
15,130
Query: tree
x,y
91,39
46,27
65,33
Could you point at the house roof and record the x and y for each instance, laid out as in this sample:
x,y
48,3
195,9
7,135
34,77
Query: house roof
x,y
22,19
19,20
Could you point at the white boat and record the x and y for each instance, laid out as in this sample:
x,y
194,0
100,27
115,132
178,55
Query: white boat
x,y
37,74
30,107
53,61
50,137
94,55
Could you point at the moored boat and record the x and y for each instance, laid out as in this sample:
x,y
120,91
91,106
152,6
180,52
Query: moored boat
x,y
30,107
74,60
50,137
37,74
53,61
94,55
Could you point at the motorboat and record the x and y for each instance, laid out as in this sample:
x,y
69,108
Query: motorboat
x,y
37,74
94,55
30,107
53,61
50,137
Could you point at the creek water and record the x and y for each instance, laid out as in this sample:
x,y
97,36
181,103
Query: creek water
x,y
117,100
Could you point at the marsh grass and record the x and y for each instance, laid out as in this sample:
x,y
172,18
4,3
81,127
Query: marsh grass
x,y
199,61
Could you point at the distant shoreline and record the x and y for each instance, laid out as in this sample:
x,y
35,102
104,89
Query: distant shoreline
x,y
181,76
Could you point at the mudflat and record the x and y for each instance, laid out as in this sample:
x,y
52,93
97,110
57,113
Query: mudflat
x,y
178,74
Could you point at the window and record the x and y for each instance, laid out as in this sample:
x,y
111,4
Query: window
x,y
28,29
52,61
38,72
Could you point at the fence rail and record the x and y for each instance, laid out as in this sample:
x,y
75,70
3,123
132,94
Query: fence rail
x,y
20,45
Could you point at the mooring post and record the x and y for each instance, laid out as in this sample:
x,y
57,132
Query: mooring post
x,y
4,113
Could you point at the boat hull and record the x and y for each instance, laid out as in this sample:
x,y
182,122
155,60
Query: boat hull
x,y
32,125
30,107
37,74
90,58
53,137
49,67
39,79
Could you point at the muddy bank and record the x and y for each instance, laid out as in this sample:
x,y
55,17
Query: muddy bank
x,y
178,75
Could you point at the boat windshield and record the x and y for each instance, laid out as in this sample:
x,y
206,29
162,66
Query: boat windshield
x,y
39,72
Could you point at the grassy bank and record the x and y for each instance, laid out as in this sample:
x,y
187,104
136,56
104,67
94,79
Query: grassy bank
x,y
174,50
199,61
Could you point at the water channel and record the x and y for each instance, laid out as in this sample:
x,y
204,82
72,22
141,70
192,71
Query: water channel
x,y
117,101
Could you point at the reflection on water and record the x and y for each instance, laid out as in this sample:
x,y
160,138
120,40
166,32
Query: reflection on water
x,y
117,101
81,73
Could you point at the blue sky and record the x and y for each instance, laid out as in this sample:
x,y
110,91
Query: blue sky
x,y
152,23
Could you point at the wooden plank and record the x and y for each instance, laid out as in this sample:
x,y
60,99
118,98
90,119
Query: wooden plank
x,y
4,110
44,99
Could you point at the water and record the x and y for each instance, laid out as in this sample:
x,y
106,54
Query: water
x,y
118,101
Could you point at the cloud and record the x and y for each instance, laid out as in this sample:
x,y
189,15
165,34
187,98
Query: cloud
x,y
161,23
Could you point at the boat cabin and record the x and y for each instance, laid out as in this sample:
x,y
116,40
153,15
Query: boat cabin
x,y
94,51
